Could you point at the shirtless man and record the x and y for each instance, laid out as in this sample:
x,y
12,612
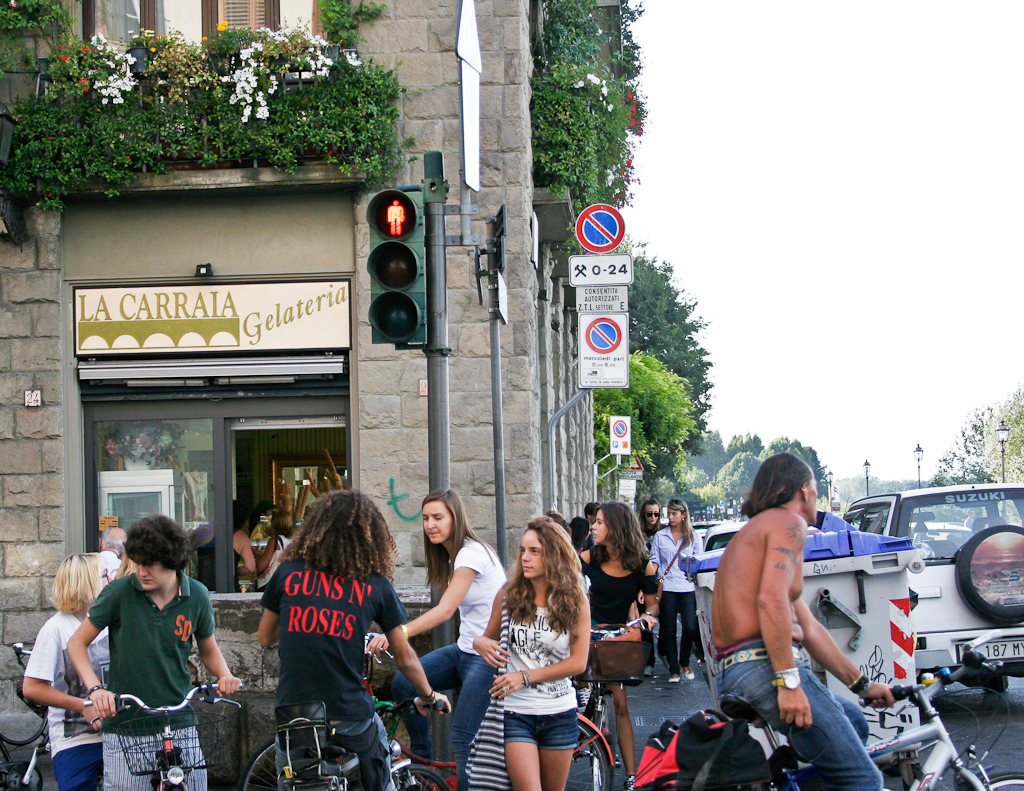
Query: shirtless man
x,y
759,623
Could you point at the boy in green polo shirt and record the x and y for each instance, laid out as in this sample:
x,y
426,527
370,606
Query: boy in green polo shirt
x,y
152,616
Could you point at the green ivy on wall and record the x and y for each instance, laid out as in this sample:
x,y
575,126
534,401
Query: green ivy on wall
x,y
586,121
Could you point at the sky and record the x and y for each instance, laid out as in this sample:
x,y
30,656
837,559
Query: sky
x,y
840,188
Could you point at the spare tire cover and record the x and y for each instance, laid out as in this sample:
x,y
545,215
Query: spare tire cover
x,y
990,574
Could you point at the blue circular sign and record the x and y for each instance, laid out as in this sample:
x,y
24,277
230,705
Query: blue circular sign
x,y
600,228
619,428
603,336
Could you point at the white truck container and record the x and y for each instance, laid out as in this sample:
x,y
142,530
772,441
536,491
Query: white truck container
x,y
856,585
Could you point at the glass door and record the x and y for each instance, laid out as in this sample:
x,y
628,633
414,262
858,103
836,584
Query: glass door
x,y
202,461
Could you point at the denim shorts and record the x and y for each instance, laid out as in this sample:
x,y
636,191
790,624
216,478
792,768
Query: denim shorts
x,y
547,731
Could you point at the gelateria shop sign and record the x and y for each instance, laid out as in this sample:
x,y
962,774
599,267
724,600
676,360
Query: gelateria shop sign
x,y
255,317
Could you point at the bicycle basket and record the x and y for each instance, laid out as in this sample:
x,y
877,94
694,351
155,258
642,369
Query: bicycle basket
x,y
617,661
195,737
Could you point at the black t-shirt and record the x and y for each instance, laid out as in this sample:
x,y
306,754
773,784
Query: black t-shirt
x,y
611,597
324,621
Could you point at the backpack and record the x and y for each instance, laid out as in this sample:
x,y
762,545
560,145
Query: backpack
x,y
705,751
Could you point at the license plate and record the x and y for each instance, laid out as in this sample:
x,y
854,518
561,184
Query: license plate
x,y
997,649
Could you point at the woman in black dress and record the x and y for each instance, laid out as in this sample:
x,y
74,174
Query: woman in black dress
x,y
618,570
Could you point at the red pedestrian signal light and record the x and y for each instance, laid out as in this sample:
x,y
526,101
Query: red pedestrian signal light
x,y
394,215
398,288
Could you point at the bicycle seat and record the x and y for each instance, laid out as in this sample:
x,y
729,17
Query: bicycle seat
x,y
737,707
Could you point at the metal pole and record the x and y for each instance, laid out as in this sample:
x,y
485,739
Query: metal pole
x,y
1002,452
438,405
552,425
596,477
498,423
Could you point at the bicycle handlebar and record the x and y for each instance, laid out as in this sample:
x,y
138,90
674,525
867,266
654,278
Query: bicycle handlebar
x,y
208,697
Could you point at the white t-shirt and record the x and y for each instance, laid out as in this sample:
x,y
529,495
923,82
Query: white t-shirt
x,y
475,610
49,662
533,646
112,561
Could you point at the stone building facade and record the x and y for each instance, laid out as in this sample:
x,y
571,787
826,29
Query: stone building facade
x,y
257,225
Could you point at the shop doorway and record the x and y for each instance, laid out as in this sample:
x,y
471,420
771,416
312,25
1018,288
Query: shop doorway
x,y
282,466
192,460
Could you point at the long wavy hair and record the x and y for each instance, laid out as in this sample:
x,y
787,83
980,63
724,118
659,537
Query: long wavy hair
x,y
562,572
440,565
346,534
625,539
777,481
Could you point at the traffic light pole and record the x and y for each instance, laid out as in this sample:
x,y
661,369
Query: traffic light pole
x,y
438,403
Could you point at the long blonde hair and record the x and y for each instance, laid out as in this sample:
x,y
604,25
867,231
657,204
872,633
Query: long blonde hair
x,y
78,581
562,572
680,506
440,565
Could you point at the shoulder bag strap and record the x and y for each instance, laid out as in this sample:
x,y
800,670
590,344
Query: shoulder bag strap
x,y
724,737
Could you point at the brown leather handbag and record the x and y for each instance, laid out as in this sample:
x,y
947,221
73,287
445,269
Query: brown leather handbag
x,y
619,658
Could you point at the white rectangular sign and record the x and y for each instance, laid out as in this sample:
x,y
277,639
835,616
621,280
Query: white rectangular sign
x,y
631,475
620,434
213,317
603,350
601,270
602,299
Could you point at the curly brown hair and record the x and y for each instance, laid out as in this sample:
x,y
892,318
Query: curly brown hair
x,y
625,538
346,534
565,581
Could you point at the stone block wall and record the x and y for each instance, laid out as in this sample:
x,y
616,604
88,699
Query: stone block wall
x,y
32,528
418,40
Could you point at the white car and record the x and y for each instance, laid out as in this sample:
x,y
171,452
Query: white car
x,y
971,539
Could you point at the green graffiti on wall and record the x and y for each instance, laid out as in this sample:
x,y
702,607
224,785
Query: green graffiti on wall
x,y
395,499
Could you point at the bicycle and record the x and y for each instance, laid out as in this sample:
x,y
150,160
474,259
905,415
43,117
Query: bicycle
x,y
943,752
407,773
594,760
24,774
168,743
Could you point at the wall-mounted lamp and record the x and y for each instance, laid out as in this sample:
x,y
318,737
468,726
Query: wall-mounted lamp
x,y
204,270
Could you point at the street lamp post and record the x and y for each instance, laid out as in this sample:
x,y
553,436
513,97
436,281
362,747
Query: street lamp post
x,y
918,454
867,486
1003,434
828,480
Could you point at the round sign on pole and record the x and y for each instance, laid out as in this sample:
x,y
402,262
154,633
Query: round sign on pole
x,y
619,428
603,336
600,228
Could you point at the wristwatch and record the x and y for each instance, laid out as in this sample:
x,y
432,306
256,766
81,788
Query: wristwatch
x,y
790,678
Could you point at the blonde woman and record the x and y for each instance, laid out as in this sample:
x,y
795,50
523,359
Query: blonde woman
x,y
50,678
676,594
548,642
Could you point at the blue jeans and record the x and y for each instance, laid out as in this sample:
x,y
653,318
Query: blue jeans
x,y
832,743
675,605
450,668
547,731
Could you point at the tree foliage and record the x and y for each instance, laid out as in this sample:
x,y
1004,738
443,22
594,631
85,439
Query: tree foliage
x,y
965,462
737,475
664,324
805,452
659,403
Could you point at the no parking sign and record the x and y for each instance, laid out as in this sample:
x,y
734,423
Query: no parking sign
x,y
604,350
620,432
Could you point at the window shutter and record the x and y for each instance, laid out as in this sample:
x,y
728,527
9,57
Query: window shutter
x,y
243,13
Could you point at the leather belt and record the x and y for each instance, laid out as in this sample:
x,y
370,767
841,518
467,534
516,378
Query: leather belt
x,y
750,655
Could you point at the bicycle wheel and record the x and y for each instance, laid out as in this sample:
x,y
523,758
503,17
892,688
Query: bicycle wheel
x,y
419,778
260,772
12,776
591,767
1007,781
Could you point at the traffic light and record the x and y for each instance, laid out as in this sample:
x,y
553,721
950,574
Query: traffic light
x,y
398,289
